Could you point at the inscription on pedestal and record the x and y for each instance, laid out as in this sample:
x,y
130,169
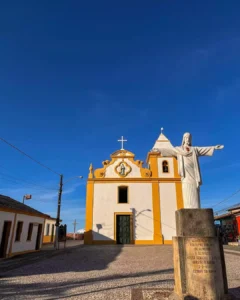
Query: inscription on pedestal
x,y
199,266
203,267
201,257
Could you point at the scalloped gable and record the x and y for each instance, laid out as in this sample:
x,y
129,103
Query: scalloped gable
x,y
122,158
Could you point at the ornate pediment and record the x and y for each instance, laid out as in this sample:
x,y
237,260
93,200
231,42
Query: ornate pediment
x,y
122,153
122,165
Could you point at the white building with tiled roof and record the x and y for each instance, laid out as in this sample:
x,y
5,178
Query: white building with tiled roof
x,y
21,228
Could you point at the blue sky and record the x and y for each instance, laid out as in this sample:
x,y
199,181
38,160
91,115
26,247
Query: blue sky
x,y
77,75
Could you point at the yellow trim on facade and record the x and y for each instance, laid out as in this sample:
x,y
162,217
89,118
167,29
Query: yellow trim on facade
x,y
90,175
131,225
157,225
48,239
167,242
44,223
147,176
145,173
104,242
122,154
179,195
144,242
13,233
100,173
151,155
136,243
135,180
22,252
153,161
175,168
89,213
157,230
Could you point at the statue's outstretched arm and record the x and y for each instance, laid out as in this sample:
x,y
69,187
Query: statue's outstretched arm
x,y
218,147
207,151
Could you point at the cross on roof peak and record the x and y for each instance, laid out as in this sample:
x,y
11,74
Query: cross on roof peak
x,y
122,141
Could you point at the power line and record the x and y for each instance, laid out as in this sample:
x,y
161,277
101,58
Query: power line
x,y
19,183
227,208
36,161
227,198
43,200
28,182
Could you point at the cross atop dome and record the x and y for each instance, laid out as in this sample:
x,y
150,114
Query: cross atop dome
x,y
122,141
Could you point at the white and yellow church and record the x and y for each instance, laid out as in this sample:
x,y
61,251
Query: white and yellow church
x,y
129,204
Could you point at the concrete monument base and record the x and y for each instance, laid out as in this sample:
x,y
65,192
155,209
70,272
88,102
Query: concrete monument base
x,y
199,265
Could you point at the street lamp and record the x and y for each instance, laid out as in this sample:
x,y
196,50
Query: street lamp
x,y
59,206
27,197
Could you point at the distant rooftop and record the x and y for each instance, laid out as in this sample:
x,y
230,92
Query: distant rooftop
x,y
234,208
223,216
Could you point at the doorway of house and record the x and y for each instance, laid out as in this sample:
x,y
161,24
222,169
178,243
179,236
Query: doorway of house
x,y
39,234
5,238
123,229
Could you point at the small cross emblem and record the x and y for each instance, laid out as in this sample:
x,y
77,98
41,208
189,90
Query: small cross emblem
x,y
122,140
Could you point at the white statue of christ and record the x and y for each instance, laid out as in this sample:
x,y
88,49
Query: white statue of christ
x,y
188,168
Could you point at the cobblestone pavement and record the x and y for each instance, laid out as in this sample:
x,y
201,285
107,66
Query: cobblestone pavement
x,y
99,272
26,259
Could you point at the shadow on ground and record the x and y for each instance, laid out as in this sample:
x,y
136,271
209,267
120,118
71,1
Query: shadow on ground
x,y
79,259
235,292
62,290
87,270
82,258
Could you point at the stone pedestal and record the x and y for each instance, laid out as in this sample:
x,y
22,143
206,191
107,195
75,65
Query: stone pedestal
x,y
199,266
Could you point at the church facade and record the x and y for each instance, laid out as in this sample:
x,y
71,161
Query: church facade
x,y
129,204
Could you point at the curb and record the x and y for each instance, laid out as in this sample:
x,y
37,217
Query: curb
x,y
232,252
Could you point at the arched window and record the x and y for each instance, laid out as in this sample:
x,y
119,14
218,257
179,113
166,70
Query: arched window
x,y
165,166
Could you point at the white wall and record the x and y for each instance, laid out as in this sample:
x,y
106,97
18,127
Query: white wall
x,y
105,205
110,171
168,205
23,244
170,167
6,216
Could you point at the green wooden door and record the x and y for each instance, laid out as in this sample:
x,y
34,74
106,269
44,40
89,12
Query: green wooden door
x,y
123,229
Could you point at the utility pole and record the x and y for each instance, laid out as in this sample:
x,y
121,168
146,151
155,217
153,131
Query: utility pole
x,y
74,224
59,207
58,211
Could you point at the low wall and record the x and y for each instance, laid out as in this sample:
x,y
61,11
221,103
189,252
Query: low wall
x,y
78,236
